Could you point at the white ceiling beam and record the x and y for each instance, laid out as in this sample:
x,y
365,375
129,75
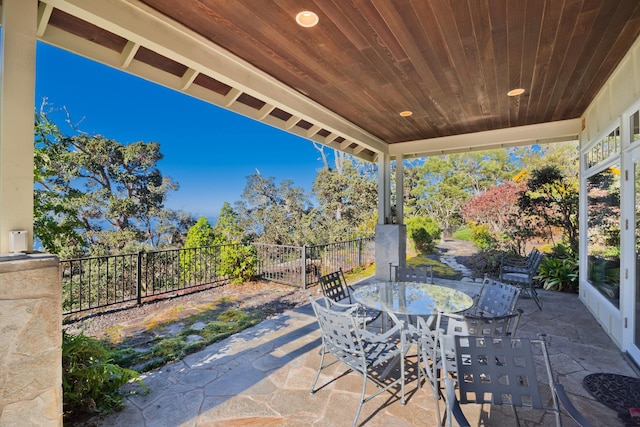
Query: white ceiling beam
x,y
44,13
187,78
293,120
564,130
357,150
232,96
112,58
264,112
313,130
329,138
345,144
128,53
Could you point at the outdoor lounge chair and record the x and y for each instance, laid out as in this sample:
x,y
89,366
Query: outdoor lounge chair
x,y
522,276
502,371
362,351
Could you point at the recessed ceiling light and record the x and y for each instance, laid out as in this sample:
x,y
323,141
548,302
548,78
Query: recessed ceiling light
x,y
406,113
307,19
515,92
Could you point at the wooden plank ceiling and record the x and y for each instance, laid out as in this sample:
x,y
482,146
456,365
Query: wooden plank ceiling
x,y
449,62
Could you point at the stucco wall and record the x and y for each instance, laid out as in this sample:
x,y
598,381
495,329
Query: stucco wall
x,y
30,333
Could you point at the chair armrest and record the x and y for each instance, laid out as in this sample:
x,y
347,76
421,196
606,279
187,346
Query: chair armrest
x,y
329,303
571,410
397,329
453,405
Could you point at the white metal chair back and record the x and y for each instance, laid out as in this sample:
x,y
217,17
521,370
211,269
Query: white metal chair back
x,y
346,339
334,286
468,324
496,299
420,273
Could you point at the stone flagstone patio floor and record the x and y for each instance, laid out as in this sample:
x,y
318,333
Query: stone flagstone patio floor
x,y
261,377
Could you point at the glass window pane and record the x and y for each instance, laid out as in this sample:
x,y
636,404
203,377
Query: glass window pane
x,y
603,248
635,126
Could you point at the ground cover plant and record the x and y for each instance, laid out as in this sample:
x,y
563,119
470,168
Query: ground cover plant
x,y
166,340
91,380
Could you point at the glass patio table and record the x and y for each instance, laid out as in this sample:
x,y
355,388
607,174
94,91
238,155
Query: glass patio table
x,y
412,298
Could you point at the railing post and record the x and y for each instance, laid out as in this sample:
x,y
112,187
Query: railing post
x,y
304,266
139,279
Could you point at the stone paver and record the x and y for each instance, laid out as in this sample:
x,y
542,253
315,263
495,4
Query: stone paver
x,y
261,377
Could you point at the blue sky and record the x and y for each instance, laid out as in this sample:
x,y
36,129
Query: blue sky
x,y
209,151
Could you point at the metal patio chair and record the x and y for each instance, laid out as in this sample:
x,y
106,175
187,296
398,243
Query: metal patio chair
x,y
334,287
428,341
519,265
419,273
495,299
502,371
362,351
523,278
469,324
435,346
429,358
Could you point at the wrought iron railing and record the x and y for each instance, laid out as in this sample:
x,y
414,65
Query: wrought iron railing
x,y
95,282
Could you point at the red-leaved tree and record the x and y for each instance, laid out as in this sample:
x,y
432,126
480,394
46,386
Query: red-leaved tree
x,y
499,210
493,207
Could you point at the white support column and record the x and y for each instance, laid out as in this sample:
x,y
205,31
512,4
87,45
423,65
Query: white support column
x,y
400,189
17,100
384,189
391,239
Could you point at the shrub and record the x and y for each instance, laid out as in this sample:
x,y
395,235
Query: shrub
x,y
481,236
90,380
464,233
423,232
558,274
238,262
485,262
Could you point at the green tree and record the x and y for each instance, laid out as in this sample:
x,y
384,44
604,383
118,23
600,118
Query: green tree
x,y
227,228
199,256
238,260
273,214
563,155
112,194
56,221
447,182
553,197
200,234
347,199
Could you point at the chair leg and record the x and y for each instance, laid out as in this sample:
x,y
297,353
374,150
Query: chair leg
x,y
362,399
315,381
534,295
402,374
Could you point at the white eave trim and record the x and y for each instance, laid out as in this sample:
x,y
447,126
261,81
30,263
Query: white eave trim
x,y
143,26
559,131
